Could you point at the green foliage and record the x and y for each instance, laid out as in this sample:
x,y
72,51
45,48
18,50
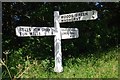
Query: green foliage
x,y
106,66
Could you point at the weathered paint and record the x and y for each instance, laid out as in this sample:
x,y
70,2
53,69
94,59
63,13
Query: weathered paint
x,y
78,16
57,44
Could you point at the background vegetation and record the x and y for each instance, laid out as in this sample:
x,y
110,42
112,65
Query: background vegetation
x,y
93,55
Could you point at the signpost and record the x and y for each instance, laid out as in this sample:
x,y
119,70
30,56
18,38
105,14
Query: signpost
x,y
24,31
86,15
66,33
57,32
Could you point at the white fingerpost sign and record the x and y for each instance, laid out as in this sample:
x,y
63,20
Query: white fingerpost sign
x,y
66,33
78,16
24,31
57,32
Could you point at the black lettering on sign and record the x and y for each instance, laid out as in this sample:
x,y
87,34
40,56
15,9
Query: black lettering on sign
x,y
25,29
69,20
39,33
21,29
62,20
30,33
36,29
81,14
62,16
75,19
20,33
93,17
35,34
86,14
72,33
79,18
43,29
75,15
65,20
69,16
23,34
47,29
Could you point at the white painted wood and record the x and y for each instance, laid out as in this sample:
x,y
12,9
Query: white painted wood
x,y
69,33
66,33
57,44
78,16
24,31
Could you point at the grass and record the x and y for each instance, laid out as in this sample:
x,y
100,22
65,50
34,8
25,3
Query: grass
x,y
92,65
103,66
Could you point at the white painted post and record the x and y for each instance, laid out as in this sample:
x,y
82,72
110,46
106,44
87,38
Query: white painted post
x,y
57,44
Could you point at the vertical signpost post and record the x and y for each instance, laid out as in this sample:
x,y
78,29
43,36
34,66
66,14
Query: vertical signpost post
x,y
57,32
57,44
